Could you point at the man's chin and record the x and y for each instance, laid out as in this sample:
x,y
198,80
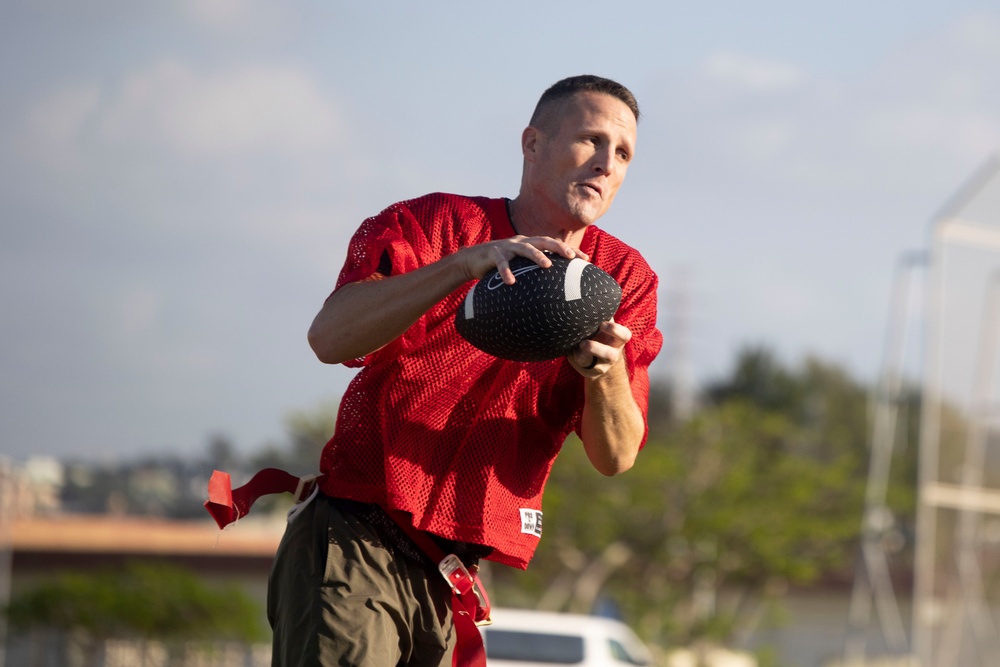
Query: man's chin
x,y
586,215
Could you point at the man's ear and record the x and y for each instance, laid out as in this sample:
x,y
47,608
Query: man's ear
x,y
530,140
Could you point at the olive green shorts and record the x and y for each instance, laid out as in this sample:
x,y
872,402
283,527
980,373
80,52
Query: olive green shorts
x,y
340,594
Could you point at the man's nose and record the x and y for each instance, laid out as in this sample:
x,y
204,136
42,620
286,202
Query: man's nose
x,y
603,162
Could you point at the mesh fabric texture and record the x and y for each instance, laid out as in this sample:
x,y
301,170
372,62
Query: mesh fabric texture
x,y
432,426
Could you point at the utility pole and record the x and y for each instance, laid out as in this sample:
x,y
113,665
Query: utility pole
x,y
677,344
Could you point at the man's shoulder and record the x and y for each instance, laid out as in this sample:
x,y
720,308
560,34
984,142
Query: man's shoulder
x,y
449,217
613,250
446,201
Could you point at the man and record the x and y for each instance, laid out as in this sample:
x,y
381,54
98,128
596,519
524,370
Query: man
x,y
437,437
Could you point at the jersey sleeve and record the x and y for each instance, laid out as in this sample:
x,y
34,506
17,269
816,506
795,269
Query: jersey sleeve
x,y
415,233
383,244
381,238
637,311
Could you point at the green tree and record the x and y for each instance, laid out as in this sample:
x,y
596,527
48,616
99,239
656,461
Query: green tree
x,y
761,489
142,601
307,431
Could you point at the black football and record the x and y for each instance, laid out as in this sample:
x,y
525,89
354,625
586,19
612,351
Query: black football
x,y
543,315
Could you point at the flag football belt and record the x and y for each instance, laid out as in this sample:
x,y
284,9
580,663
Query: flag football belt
x,y
469,603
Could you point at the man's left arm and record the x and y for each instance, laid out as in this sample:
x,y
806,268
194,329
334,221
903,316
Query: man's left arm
x,y
612,425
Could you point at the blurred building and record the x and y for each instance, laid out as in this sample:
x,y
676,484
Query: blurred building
x,y
30,489
37,540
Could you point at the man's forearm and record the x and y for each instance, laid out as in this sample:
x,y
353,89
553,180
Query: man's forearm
x,y
612,425
364,316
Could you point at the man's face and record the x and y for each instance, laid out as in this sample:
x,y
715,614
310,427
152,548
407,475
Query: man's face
x,y
579,162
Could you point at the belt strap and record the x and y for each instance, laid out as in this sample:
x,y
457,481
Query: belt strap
x,y
470,606
469,603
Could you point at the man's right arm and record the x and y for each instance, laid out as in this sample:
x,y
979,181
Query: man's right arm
x,y
364,316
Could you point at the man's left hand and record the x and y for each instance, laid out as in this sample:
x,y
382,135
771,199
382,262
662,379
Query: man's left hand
x,y
596,355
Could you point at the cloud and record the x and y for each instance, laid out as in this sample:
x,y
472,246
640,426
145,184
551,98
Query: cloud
x,y
171,108
978,33
217,12
968,135
178,150
251,110
929,113
751,73
53,126
237,15
799,188
939,98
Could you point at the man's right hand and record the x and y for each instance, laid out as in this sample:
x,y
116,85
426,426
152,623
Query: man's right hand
x,y
483,258
362,317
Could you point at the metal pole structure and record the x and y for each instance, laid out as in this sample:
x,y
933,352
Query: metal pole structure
x,y
930,422
972,607
932,496
872,581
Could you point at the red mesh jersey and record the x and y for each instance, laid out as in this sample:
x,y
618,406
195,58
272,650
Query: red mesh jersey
x,y
462,440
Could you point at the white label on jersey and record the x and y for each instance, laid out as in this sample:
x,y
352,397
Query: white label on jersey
x,y
574,277
531,522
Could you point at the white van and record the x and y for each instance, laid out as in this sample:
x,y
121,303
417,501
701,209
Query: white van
x,y
522,638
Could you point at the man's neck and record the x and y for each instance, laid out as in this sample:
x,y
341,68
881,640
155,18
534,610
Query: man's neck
x,y
527,223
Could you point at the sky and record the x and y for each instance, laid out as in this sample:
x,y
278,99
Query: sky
x,y
178,182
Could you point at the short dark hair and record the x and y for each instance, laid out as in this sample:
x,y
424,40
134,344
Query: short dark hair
x,y
561,90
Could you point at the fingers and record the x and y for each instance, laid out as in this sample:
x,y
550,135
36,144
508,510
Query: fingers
x,y
500,253
596,362
518,246
503,265
602,351
534,248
